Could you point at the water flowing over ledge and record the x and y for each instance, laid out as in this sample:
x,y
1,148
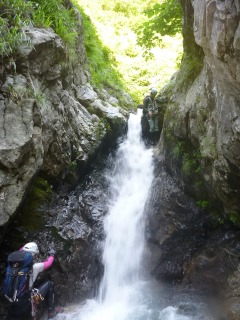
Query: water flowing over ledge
x,y
124,294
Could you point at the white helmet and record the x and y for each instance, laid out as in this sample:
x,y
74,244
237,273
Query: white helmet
x,y
31,247
153,91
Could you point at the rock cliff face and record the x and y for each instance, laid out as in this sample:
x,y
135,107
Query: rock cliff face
x,y
200,145
51,119
202,123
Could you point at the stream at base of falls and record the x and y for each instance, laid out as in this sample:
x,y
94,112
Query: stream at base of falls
x,y
146,300
124,293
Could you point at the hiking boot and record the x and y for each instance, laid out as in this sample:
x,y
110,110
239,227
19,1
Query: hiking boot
x,y
53,313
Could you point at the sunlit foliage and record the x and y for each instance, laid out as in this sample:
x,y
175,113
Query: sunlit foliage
x,y
117,22
16,14
164,18
101,59
110,30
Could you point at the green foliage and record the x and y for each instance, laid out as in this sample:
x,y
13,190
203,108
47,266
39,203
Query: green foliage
x,y
127,8
39,194
118,34
191,162
234,218
208,147
73,165
116,61
16,14
102,128
203,204
178,149
187,157
52,13
190,67
101,60
164,18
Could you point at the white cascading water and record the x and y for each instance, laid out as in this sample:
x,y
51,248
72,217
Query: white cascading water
x,y
129,181
123,295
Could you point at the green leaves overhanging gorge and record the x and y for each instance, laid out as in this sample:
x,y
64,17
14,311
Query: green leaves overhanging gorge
x,y
164,18
117,24
117,36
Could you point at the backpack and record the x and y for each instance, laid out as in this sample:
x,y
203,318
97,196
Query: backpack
x,y
16,283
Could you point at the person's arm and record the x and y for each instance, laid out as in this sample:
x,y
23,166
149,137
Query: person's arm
x,y
40,267
148,111
37,268
48,263
145,105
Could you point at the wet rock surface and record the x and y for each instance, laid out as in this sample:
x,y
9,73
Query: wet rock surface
x,y
74,223
186,250
186,246
200,147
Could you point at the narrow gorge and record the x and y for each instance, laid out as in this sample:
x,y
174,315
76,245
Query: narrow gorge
x,y
59,136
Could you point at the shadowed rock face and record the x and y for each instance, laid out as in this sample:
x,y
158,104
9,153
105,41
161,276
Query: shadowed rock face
x,y
51,119
205,114
73,221
187,248
200,141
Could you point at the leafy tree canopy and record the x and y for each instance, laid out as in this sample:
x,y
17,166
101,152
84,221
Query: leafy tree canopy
x,y
163,19
116,23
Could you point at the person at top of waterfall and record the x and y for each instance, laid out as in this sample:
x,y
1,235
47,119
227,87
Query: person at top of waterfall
x,y
44,291
150,110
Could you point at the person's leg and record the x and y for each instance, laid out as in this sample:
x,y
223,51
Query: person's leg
x,y
47,292
151,125
145,125
155,121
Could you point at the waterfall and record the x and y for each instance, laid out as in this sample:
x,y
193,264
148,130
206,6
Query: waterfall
x,y
129,181
123,293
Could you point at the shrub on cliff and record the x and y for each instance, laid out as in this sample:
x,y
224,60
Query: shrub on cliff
x,y
16,14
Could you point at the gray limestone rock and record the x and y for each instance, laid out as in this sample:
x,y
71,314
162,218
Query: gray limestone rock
x,y
45,124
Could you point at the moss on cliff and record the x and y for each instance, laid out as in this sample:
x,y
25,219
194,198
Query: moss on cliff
x,y
190,68
40,193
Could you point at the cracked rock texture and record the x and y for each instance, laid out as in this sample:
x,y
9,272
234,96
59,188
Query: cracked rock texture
x,y
51,118
204,115
200,140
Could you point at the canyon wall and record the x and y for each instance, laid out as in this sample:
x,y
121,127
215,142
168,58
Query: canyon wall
x,y
201,135
53,122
